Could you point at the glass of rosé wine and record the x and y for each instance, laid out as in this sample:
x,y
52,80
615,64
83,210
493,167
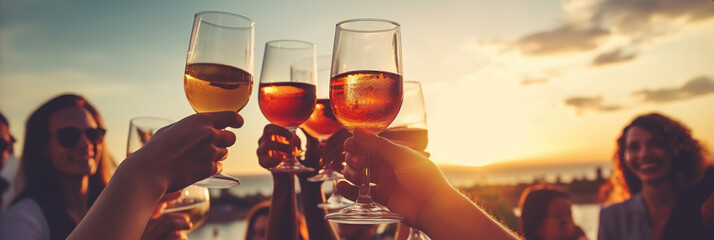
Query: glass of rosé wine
x,y
366,93
219,70
287,97
321,125
409,129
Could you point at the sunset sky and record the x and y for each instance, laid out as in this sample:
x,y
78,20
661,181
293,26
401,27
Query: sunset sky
x,y
536,81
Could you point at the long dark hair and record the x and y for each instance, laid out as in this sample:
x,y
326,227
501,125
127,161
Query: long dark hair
x,y
534,207
43,179
689,157
4,120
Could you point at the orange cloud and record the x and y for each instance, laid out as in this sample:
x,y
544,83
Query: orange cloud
x,y
695,87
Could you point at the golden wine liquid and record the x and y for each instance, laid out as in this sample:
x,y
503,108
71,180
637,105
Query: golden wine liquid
x,y
212,87
197,213
366,99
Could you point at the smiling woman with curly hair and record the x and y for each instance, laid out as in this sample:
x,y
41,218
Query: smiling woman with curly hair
x,y
656,160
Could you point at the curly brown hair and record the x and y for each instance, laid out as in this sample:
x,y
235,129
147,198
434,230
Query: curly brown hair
x,y
689,157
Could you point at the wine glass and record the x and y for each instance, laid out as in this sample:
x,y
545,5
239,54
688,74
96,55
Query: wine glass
x,y
336,200
366,93
409,129
140,131
219,70
192,200
322,124
286,97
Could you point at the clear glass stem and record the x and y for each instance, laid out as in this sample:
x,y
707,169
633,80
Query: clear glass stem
x,y
334,188
364,191
290,163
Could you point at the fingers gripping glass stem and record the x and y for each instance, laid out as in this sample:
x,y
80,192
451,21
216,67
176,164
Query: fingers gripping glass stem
x,y
219,70
366,92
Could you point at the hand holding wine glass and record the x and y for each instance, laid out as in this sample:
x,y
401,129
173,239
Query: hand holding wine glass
x,y
188,150
409,129
174,157
172,225
366,94
288,97
192,201
219,69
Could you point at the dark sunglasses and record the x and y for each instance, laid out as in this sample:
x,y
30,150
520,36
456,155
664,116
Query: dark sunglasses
x,y
68,137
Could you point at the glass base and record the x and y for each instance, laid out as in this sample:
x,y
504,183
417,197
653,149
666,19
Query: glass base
x,y
291,167
364,213
335,202
325,175
219,181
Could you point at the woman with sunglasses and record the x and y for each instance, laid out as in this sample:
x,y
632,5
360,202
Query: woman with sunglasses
x,y
6,147
66,167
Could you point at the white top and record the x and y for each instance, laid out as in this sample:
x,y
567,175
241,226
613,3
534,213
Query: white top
x,y
10,172
24,220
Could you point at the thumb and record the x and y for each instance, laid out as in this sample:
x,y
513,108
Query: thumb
x,y
389,151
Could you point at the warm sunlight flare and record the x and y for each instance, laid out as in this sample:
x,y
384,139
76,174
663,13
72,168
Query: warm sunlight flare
x,y
514,90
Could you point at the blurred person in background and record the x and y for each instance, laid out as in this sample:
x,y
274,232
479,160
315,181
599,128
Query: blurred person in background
x,y
546,214
7,142
66,167
257,221
657,160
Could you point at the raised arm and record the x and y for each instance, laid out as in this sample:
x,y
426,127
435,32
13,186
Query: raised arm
x,y
312,194
282,217
175,157
409,184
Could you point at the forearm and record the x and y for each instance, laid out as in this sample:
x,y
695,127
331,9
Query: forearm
x,y
453,216
311,195
124,207
282,220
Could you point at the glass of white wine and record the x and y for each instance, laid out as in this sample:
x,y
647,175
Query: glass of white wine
x,y
193,200
219,69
